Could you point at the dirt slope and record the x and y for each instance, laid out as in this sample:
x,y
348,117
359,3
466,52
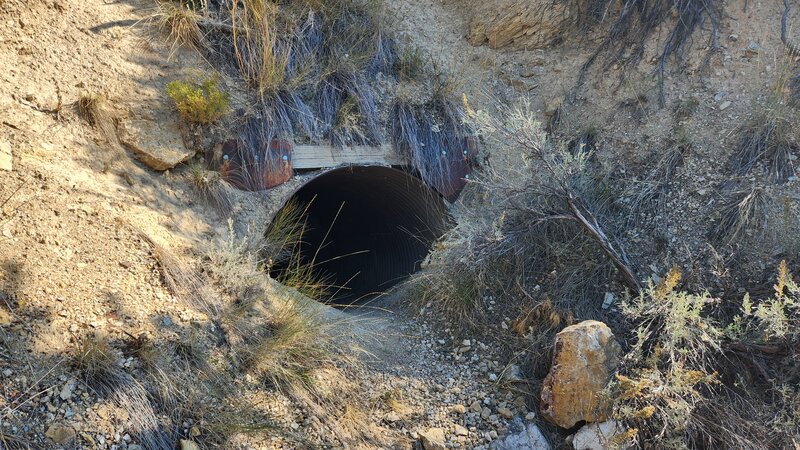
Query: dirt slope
x,y
84,226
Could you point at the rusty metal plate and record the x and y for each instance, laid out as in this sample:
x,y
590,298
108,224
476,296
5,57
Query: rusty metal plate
x,y
256,171
460,163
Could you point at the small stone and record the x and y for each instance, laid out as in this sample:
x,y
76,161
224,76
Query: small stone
x,y
724,105
475,406
460,431
156,143
90,440
485,413
66,391
459,409
194,432
505,412
432,439
60,434
492,377
189,445
552,106
7,373
391,417
466,343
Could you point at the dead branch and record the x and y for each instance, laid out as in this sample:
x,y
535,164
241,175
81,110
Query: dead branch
x,y
593,228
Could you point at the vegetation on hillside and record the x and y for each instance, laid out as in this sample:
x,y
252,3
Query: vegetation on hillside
x,y
313,70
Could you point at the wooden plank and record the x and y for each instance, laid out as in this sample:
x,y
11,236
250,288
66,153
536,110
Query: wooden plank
x,y
324,156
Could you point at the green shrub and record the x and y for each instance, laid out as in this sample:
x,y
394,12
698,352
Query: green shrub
x,y
199,102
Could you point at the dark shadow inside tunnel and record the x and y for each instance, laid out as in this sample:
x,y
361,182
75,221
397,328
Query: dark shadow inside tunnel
x,y
366,229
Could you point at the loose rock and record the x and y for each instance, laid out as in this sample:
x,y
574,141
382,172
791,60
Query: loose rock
x,y
60,434
531,438
157,144
433,439
586,355
598,436
189,445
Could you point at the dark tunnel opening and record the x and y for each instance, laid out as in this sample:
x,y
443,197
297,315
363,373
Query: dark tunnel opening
x,y
366,229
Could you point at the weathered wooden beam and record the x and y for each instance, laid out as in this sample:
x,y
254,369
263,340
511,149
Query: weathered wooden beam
x,y
324,156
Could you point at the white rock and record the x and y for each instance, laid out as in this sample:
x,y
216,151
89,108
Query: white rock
x,y
66,391
725,105
598,436
531,438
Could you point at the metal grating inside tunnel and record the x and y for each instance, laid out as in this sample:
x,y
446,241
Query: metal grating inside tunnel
x,y
367,228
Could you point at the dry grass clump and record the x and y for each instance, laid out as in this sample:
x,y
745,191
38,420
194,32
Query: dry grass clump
x,y
769,135
90,106
649,195
212,188
296,343
199,102
433,133
747,210
282,258
96,361
179,23
95,109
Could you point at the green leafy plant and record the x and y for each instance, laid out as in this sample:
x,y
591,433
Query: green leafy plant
x,y
199,102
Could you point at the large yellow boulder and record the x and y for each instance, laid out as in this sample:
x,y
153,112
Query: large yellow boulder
x,y
586,355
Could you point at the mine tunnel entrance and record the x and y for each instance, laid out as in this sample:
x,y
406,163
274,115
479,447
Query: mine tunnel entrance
x,y
366,228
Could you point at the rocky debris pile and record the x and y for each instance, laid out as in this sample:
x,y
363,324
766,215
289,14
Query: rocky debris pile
x,y
457,393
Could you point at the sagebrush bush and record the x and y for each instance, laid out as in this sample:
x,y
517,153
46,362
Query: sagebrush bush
x,y
200,102
540,230
689,380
